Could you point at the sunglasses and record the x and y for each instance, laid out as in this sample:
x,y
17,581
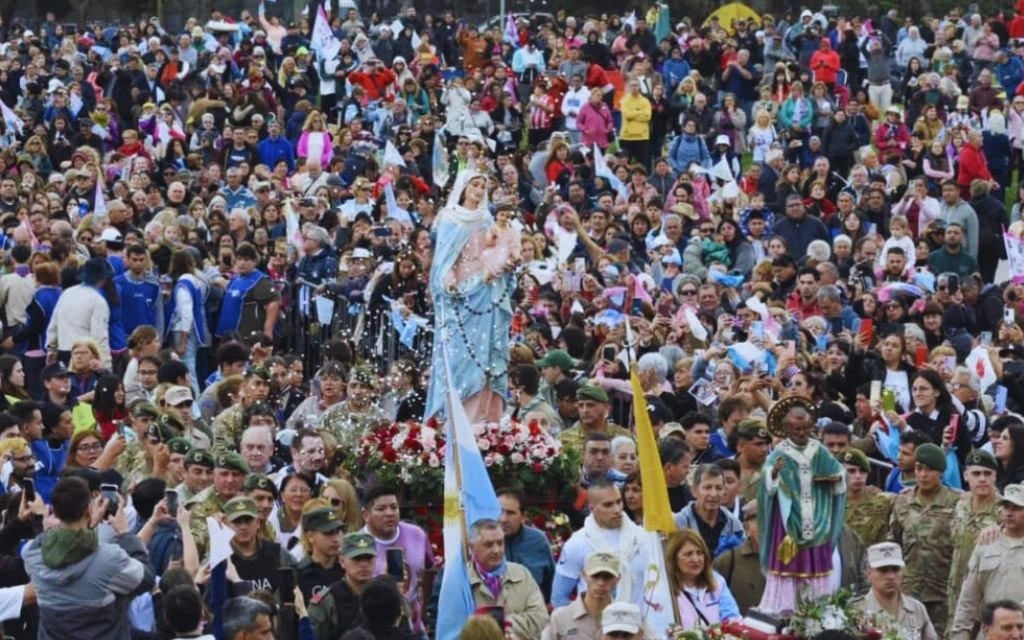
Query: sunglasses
x,y
688,292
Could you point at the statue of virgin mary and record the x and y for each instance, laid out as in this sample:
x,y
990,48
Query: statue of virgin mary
x,y
471,282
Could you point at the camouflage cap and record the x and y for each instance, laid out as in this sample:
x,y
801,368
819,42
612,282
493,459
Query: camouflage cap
x,y
358,545
179,445
259,482
752,428
240,507
233,461
202,457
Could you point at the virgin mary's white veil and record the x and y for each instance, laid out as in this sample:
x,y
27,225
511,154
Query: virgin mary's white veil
x,y
454,212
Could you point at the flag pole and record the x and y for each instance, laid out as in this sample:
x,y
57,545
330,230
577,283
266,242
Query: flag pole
x,y
453,443
661,535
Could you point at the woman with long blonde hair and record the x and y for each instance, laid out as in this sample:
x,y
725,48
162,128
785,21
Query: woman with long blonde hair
x,y
316,141
340,495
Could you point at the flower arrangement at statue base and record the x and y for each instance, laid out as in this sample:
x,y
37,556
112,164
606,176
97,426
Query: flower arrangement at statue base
x,y
524,457
713,632
833,612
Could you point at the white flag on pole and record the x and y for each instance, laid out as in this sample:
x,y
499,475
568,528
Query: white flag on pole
x,y
323,40
11,119
391,155
100,204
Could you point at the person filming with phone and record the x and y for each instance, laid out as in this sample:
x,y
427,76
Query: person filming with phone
x,y
85,585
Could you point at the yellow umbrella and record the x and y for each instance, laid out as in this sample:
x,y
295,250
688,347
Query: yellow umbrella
x,y
732,11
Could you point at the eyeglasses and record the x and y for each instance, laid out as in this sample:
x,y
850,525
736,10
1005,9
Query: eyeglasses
x,y
706,229
688,292
95,446
335,502
24,459
298,491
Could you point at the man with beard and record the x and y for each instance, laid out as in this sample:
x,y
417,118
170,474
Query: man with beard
x,y
952,257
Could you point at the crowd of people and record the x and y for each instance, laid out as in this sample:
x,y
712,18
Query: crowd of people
x,y
219,273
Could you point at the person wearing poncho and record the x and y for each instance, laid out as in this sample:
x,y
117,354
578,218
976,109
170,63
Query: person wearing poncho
x,y
801,503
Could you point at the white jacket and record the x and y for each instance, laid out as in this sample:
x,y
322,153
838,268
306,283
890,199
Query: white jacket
x,y
82,313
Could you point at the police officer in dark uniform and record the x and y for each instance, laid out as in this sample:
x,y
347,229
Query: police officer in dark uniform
x,y
336,610
256,560
321,529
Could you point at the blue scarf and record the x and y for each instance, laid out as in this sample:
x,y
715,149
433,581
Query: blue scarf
x,y
491,578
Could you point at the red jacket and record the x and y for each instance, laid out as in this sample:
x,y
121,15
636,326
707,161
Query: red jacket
x,y
375,83
825,64
973,166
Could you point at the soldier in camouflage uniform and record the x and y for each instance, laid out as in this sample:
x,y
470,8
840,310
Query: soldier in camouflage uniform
x,y
198,474
178,403
263,492
347,421
134,463
228,475
228,426
976,510
752,450
922,524
867,514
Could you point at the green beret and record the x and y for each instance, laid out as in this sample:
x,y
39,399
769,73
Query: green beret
x,y
931,456
145,408
259,482
202,457
179,445
162,431
232,460
591,392
855,457
171,422
981,458
555,358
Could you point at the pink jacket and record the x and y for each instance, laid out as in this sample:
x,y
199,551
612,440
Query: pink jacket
x,y
325,153
594,123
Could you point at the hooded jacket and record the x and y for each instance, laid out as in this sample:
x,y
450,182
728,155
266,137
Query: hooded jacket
x,y
85,595
825,63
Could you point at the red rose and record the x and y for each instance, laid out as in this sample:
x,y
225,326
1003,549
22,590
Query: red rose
x,y
389,455
422,511
538,467
538,521
432,422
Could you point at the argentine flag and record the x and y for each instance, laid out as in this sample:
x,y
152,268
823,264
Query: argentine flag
x,y
468,497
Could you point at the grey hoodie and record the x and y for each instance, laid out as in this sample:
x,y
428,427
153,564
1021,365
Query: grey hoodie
x,y
88,599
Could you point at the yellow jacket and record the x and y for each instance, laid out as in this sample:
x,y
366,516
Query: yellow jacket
x,y
636,117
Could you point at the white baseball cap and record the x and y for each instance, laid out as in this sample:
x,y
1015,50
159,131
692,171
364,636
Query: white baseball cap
x,y
621,616
110,234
